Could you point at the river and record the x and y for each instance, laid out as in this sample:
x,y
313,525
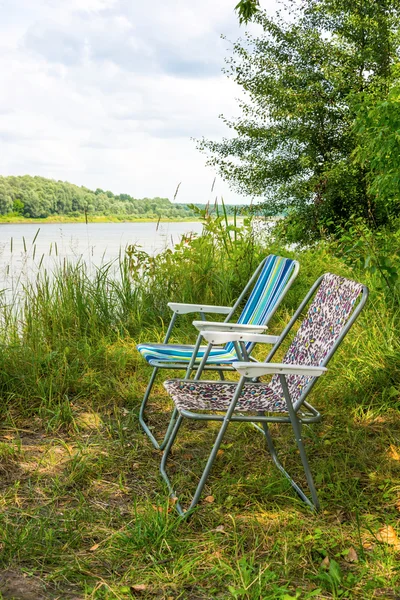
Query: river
x,y
25,247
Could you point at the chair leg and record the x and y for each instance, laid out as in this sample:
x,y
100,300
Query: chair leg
x,y
163,464
210,460
185,513
274,455
296,424
145,427
143,408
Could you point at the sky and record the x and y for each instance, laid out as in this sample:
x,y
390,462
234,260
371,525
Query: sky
x,y
110,93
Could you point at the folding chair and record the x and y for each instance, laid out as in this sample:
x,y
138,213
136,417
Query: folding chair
x,y
330,315
268,284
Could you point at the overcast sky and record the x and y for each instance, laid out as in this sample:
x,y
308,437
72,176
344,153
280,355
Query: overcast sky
x,y
108,93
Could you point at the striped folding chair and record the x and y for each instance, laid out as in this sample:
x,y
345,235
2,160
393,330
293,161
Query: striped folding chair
x,y
265,290
336,304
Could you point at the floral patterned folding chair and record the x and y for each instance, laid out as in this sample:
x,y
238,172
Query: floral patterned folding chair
x,y
335,306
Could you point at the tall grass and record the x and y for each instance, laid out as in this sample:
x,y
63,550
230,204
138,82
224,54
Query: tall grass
x,y
83,508
68,318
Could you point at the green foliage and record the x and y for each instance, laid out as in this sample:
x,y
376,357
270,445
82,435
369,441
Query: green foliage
x,y
377,127
210,267
246,9
374,252
37,197
303,79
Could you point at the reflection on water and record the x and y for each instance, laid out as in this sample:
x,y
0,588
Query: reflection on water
x,y
24,248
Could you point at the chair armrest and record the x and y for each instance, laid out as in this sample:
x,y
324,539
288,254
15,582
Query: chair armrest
x,y
184,309
250,369
221,337
225,327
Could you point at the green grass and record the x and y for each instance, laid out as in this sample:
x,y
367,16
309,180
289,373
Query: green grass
x,y
83,511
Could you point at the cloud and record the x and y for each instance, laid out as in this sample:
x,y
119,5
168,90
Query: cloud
x,y
55,43
109,93
178,42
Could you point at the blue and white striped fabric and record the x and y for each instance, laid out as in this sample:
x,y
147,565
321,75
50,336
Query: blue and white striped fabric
x,y
267,291
182,354
264,297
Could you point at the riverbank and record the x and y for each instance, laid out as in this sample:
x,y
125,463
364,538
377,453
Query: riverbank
x,y
8,220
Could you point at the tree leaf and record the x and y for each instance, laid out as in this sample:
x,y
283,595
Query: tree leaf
x,y
393,453
325,563
94,547
352,555
387,535
138,588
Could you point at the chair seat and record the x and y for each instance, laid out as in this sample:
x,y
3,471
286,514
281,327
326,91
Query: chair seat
x,y
214,396
176,353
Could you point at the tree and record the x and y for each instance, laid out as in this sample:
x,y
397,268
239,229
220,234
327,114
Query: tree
x,y
303,77
34,207
6,202
377,127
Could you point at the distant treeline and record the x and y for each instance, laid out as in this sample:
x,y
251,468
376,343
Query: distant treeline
x,y
38,197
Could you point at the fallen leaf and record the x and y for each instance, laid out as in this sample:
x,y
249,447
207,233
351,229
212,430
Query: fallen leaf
x,y
352,555
89,420
187,456
393,453
220,529
220,453
325,563
209,499
387,535
140,587
367,545
93,548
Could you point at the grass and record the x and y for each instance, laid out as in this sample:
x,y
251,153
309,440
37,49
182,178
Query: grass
x,y
84,513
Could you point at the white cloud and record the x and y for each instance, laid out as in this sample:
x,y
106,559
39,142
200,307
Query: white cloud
x,y
108,93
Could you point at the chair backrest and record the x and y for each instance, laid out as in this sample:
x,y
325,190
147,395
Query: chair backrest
x,y
274,279
329,317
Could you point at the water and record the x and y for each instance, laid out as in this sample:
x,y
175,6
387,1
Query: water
x,y
21,255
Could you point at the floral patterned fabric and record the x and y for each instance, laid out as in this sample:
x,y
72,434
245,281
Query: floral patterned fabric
x,y
325,319
210,395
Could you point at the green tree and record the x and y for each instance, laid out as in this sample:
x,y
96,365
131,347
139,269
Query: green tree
x,y
18,207
6,202
377,127
302,78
